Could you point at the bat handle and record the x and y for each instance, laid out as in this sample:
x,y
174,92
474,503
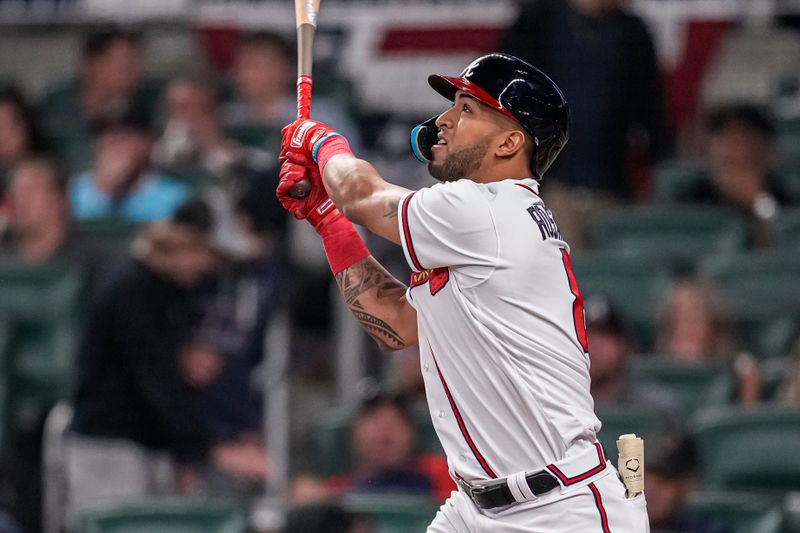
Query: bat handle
x,y
304,84
302,188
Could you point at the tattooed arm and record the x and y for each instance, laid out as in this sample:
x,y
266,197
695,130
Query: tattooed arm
x,y
374,297
363,196
379,303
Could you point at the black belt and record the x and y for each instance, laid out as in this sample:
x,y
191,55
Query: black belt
x,y
496,493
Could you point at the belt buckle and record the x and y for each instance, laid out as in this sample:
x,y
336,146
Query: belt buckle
x,y
464,484
476,491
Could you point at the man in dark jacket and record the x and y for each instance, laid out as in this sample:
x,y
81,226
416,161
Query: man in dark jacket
x,y
135,412
604,61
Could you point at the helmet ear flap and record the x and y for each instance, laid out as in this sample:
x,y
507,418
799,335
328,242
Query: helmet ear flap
x,y
423,137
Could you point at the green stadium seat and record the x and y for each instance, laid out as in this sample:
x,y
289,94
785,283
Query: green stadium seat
x,y
167,517
42,292
196,178
633,283
116,233
677,178
40,310
40,369
262,137
762,291
738,512
788,133
787,230
332,438
676,235
624,419
695,385
767,335
773,377
74,146
749,448
757,281
787,177
394,513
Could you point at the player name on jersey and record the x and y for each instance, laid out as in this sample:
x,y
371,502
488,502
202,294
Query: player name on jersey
x,y
544,219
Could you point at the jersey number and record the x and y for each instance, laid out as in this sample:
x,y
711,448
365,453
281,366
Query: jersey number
x,y
578,316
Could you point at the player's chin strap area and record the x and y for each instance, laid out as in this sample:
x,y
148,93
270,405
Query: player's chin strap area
x,y
423,137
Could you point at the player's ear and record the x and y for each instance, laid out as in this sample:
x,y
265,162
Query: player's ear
x,y
509,143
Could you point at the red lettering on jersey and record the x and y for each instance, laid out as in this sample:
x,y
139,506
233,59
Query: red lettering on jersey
x,y
420,278
437,278
578,316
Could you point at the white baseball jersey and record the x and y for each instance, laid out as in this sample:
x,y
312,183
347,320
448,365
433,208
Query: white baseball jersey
x,y
501,329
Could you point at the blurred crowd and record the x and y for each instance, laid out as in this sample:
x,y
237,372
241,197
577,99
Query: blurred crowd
x,y
156,198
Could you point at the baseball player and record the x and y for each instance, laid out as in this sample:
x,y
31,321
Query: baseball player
x,y
492,302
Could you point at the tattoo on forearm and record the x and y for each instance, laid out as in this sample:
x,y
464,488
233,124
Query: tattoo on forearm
x,y
368,275
379,330
391,209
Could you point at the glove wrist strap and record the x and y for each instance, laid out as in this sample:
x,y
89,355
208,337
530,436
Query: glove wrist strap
x,y
321,213
327,147
343,245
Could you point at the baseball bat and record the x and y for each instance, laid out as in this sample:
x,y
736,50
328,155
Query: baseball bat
x,y
305,12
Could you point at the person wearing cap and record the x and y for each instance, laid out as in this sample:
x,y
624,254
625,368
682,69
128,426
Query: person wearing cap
x,y
492,302
122,181
135,413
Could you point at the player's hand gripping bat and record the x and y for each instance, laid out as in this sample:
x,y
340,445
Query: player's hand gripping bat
x,y
306,17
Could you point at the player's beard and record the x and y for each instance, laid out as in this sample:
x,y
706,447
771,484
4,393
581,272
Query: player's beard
x,y
459,164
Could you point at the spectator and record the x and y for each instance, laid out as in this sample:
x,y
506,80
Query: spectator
x,y
264,78
134,413
604,61
740,161
39,226
383,446
192,138
122,181
221,357
109,84
695,323
384,442
193,141
20,135
610,353
696,326
670,464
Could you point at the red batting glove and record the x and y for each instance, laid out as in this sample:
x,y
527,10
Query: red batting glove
x,y
313,139
305,149
317,207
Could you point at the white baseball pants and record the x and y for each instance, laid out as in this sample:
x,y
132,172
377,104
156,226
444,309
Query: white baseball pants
x,y
597,506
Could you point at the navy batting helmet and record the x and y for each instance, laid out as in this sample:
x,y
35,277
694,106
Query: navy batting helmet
x,y
516,89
